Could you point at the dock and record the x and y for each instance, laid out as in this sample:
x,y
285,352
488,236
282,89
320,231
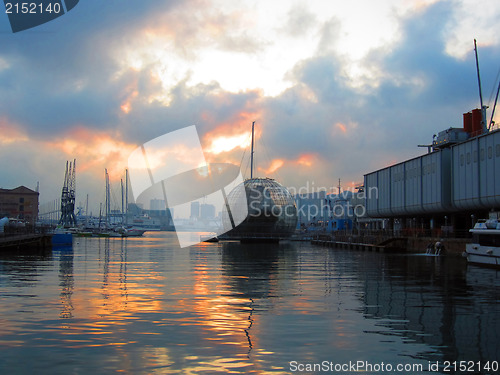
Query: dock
x,y
349,245
452,246
26,242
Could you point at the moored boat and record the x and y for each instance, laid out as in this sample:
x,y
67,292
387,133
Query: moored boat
x,y
130,231
62,237
485,246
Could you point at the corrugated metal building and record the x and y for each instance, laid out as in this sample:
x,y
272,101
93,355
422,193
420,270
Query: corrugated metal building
x,y
476,173
462,179
415,187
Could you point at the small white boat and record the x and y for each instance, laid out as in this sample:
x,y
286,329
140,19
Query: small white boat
x,y
485,246
130,231
133,232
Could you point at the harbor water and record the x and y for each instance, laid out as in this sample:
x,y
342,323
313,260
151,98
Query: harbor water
x,y
146,306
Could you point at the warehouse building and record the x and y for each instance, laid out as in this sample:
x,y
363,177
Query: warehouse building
x,y
445,190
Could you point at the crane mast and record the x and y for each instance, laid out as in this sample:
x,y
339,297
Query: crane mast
x,y
68,217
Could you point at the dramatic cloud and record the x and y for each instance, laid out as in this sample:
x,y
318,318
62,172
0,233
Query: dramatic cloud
x,y
337,89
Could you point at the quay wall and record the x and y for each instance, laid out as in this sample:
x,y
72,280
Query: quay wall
x,y
453,246
25,242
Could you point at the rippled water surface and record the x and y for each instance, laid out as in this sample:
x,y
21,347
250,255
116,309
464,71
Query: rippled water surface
x,y
146,306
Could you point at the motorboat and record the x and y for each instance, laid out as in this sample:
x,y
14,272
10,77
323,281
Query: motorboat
x,y
484,248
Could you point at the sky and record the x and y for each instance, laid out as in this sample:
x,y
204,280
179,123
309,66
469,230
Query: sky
x,y
337,89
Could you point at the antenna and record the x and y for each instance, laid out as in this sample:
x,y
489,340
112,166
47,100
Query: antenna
x,y
251,154
494,106
483,107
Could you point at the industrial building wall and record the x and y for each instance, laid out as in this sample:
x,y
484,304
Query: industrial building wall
x,y
384,192
436,181
398,201
372,199
465,177
476,173
416,186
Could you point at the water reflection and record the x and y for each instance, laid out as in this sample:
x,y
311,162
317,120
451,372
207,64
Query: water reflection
x,y
20,273
66,282
145,306
253,270
451,308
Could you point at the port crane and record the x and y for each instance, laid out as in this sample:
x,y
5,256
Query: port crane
x,y
68,218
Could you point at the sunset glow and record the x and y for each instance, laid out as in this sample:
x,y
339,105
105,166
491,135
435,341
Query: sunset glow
x,y
228,143
341,127
10,133
320,79
275,165
306,160
105,150
127,104
200,186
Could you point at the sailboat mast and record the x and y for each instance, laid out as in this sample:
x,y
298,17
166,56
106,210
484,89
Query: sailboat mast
x,y
126,196
87,212
100,214
251,155
108,203
123,207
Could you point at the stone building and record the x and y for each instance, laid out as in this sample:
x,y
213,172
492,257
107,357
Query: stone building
x,y
19,203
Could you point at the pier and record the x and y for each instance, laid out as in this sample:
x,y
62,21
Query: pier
x,y
349,245
25,242
452,246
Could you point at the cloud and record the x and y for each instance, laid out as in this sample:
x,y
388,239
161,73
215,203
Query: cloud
x,y
420,89
300,21
11,133
335,93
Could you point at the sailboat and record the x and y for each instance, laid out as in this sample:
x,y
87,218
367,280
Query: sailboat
x,y
121,230
127,230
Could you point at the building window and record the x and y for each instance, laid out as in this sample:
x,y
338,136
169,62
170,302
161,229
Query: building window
x,y
21,200
490,152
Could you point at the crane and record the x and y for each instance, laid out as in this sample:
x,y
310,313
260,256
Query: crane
x,y
68,218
